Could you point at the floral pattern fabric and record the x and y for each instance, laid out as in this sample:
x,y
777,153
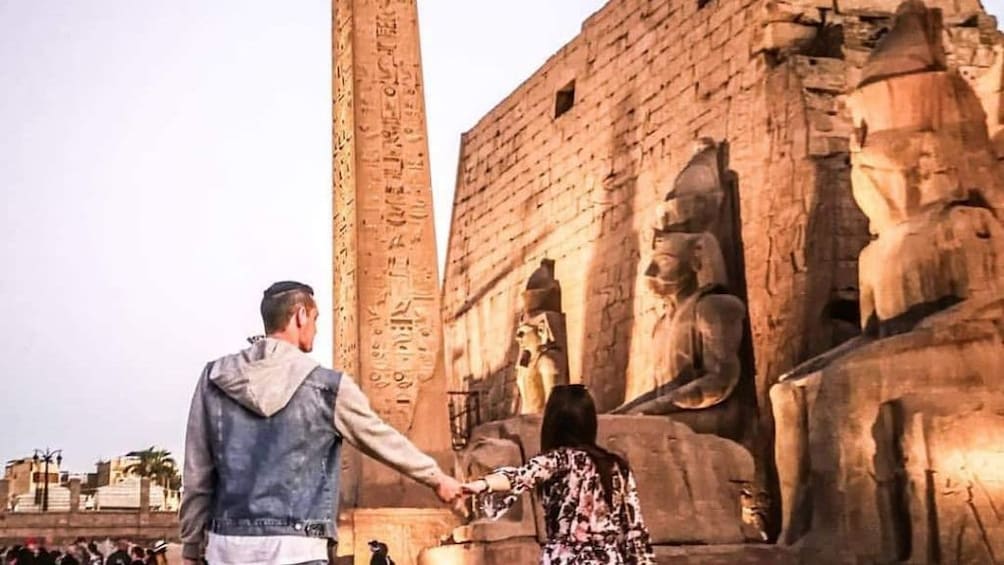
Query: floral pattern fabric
x,y
582,529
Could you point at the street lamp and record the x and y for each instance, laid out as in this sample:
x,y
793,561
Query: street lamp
x,y
47,457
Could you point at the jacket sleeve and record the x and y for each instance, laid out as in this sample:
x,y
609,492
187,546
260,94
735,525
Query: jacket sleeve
x,y
199,478
364,430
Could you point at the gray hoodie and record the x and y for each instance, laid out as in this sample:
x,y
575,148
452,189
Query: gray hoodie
x,y
263,378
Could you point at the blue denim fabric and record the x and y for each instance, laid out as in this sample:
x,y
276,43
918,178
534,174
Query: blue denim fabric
x,y
277,475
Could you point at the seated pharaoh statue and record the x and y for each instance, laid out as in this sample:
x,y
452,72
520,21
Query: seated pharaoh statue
x,y
697,341
881,443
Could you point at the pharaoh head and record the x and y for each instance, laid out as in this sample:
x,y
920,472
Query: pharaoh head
x,y
682,263
533,333
528,337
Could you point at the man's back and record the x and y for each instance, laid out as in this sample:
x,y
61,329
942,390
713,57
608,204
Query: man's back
x,y
120,557
263,445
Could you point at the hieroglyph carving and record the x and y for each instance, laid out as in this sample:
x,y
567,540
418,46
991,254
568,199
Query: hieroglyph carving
x,y
387,315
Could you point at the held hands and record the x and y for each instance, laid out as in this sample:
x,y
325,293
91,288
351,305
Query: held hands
x,y
474,487
449,490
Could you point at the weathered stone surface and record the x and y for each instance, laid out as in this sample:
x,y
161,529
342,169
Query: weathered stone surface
x,y
508,552
406,531
725,555
913,46
388,330
826,424
527,551
940,469
689,483
786,36
581,188
954,10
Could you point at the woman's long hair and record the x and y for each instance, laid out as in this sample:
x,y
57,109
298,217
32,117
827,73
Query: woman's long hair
x,y
570,421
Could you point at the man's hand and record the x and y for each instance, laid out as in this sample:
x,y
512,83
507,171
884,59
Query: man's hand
x,y
448,489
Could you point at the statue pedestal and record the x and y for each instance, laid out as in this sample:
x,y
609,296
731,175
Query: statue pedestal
x,y
689,485
405,531
526,551
892,452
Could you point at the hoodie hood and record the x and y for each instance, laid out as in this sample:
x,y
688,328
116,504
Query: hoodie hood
x,y
263,377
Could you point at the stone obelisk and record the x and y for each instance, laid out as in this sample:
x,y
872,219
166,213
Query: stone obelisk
x,y
388,330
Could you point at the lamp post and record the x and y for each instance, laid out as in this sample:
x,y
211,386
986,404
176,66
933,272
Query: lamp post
x,y
47,457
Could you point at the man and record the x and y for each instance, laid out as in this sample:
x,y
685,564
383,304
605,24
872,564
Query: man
x,y
121,556
263,447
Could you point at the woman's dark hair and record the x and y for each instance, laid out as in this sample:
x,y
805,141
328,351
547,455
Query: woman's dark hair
x,y
570,421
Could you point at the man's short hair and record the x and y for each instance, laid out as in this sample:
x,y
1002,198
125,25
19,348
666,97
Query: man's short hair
x,y
281,300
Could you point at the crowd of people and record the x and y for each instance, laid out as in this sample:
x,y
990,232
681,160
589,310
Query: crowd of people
x,y
83,552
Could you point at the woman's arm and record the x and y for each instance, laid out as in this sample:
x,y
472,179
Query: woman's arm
x,y
514,481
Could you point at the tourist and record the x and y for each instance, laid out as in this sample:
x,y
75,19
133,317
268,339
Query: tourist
x,y
158,553
138,556
28,553
96,557
69,558
121,555
589,495
45,557
258,419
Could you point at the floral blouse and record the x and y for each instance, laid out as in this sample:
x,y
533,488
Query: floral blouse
x,y
581,528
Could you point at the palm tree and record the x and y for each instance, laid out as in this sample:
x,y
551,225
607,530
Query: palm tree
x,y
156,465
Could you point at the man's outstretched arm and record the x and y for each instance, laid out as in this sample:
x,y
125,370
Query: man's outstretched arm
x,y
199,477
367,432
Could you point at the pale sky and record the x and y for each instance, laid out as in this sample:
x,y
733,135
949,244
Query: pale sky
x,y
162,162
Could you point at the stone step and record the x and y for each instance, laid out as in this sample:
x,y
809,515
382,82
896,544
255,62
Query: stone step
x,y
739,554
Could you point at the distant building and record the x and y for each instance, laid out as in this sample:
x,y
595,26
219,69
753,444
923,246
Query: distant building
x,y
26,478
114,470
25,474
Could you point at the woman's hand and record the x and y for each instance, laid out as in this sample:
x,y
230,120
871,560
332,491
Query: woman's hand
x,y
474,487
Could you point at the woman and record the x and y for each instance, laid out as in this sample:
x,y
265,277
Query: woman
x,y
157,555
590,500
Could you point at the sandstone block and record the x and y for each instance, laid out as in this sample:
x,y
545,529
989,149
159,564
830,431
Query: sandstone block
x,y
785,36
940,462
832,425
952,10
689,483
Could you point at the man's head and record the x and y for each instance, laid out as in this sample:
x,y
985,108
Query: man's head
x,y
123,545
289,313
